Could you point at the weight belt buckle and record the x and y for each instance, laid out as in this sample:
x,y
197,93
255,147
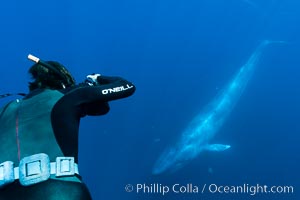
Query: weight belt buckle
x,y
65,166
34,169
6,173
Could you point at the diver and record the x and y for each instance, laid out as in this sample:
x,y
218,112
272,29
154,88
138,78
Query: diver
x,y
39,133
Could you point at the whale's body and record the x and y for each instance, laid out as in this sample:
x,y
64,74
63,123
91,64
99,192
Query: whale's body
x,y
198,134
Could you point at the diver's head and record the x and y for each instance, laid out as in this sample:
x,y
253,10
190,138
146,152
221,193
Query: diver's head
x,y
51,75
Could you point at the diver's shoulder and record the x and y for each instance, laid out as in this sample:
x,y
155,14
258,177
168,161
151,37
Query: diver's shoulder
x,y
43,92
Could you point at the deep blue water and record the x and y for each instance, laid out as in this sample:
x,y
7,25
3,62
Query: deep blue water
x,y
179,54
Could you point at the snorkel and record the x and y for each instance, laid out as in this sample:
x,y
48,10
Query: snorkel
x,y
49,67
41,62
56,68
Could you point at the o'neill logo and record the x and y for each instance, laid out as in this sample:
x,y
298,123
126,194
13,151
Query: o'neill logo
x,y
116,89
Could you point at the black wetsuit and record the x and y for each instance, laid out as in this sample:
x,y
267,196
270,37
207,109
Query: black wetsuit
x,y
47,121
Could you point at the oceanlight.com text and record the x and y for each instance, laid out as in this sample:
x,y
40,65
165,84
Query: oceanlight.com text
x,y
249,189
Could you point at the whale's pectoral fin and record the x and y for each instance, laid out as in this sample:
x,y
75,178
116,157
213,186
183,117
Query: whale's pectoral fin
x,y
217,147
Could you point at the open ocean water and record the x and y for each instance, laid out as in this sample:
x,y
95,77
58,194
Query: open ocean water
x,y
180,54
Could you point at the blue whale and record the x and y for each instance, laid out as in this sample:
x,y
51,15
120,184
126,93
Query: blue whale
x,y
201,130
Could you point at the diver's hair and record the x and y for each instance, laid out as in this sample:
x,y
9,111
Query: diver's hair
x,y
47,78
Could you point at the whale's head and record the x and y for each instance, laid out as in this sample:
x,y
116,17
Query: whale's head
x,y
164,162
174,159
